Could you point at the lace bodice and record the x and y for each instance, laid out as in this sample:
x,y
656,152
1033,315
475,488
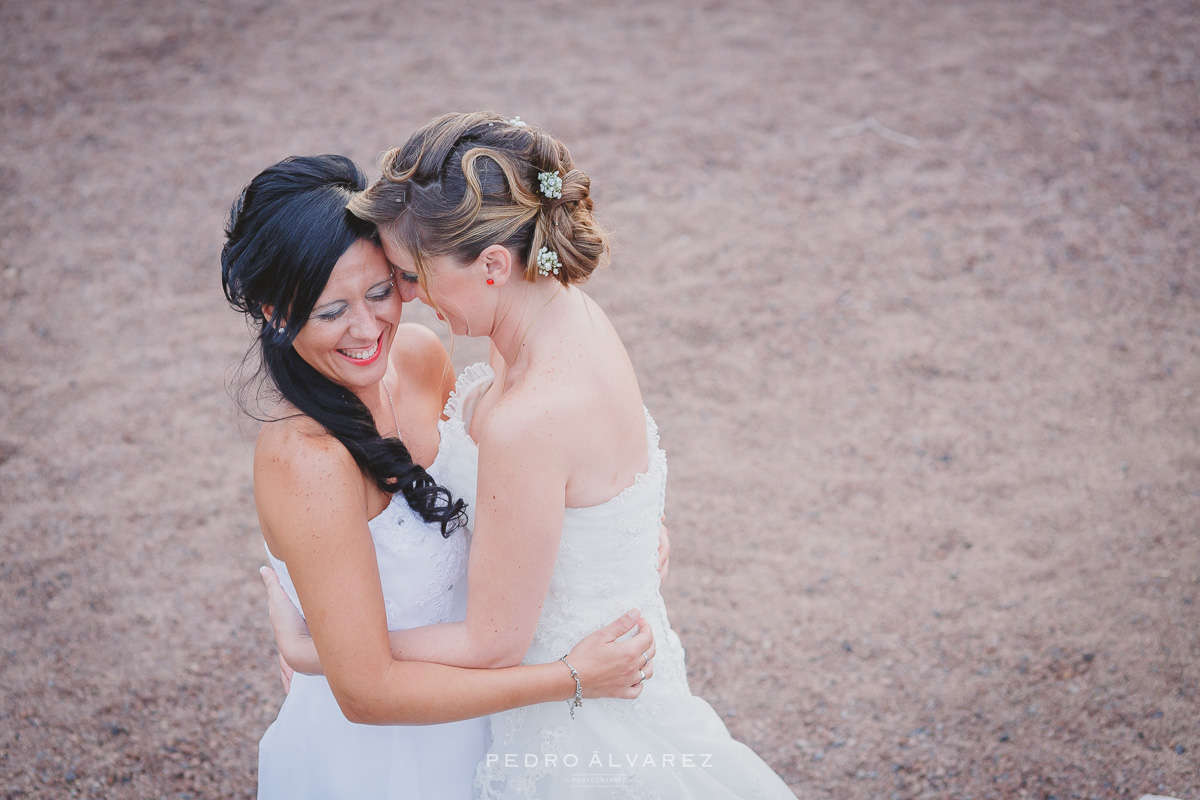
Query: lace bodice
x,y
423,575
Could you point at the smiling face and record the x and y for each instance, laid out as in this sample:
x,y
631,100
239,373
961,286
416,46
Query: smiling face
x,y
454,291
349,333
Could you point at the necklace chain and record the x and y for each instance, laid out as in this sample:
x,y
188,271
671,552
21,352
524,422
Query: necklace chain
x,y
535,316
392,406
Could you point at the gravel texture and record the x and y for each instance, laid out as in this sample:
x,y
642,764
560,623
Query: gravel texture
x,y
928,383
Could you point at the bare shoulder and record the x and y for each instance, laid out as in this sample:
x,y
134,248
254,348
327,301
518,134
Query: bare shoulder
x,y
298,452
417,348
534,417
422,366
306,487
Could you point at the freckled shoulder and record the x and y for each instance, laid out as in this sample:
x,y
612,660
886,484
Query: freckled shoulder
x,y
306,484
529,419
298,444
298,450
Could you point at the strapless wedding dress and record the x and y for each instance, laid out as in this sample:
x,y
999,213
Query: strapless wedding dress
x,y
312,751
668,744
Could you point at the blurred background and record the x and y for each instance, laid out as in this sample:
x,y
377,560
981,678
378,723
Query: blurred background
x,y
913,291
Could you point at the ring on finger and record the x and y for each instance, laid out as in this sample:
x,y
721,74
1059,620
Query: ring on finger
x,y
643,674
647,661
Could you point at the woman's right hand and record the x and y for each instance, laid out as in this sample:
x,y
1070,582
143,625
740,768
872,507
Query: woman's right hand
x,y
295,643
609,668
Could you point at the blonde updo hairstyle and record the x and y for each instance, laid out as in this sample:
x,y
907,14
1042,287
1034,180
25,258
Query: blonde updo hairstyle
x,y
467,181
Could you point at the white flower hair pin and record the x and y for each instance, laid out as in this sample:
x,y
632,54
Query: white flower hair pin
x,y
547,261
518,122
550,184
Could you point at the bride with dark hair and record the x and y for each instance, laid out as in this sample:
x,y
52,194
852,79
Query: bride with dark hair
x,y
363,533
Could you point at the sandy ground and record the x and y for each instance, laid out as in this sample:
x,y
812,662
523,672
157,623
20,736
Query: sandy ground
x,y
929,389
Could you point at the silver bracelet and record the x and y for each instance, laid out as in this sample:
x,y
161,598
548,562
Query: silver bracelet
x,y
578,701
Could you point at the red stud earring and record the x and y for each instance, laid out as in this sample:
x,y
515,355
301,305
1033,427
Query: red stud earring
x,y
490,281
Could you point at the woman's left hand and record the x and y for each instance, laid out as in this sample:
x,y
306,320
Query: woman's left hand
x,y
296,647
611,668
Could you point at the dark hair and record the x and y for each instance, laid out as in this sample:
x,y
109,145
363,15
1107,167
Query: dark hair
x,y
469,180
286,231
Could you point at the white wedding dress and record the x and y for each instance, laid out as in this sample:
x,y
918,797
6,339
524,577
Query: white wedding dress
x,y
313,752
666,745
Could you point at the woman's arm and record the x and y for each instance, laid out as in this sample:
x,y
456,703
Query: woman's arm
x,y
512,560
296,649
518,519
312,505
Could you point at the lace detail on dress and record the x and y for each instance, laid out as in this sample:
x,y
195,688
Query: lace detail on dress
x,y
423,567
395,618
447,565
655,473
471,377
394,532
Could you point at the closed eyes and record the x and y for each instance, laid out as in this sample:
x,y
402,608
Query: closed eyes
x,y
333,313
380,291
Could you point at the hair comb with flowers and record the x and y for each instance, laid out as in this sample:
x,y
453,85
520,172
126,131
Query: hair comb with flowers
x,y
550,184
547,261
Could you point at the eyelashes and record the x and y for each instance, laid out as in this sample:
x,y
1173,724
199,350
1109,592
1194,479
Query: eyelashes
x,y
332,315
382,292
407,277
